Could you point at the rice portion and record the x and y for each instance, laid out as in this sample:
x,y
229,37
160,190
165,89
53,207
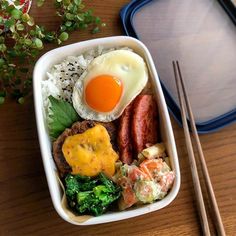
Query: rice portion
x,y
62,77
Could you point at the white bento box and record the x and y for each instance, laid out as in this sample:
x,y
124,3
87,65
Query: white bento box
x,y
55,56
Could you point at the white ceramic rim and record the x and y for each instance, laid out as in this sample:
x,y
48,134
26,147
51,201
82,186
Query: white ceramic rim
x,y
44,141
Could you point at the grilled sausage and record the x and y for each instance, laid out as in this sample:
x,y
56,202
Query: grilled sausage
x,y
144,122
124,136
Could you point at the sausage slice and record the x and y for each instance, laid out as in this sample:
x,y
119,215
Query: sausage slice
x,y
144,122
124,136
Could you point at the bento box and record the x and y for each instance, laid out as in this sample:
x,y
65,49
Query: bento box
x,y
54,57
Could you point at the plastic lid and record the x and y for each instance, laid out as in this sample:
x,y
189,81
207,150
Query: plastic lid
x,y
202,37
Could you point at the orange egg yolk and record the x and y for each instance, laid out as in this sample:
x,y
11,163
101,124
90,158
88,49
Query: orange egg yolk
x,y
103,92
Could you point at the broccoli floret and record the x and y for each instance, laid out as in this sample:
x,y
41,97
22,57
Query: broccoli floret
x,y
82,197
88,202
107,182
84,201
81,178
72,186
105,195
88,186
94,196
97,209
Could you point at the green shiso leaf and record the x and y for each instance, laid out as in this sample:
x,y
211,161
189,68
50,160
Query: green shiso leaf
x,y
62,116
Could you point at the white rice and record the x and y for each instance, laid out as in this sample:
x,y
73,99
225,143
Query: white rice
x,y
62,77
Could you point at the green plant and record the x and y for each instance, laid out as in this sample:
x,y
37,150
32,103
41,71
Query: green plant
x,y
90,195
61,116
21,41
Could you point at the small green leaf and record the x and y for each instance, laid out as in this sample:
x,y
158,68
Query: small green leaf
x,y
66,2
30,22
3,47
63,28
81,6
83,26
21,100
28,42
63,36
25,17
40,3
97,20
80,17
34,52
72,8
62,117
38,43
32,33
77,2
95,30
5,4
2,99
68,23
16,14
50,37
69,16
13,28
28,83
59,41
2,62
9,22
20,27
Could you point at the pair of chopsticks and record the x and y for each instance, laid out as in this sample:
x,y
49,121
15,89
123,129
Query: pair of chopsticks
x,y
197,186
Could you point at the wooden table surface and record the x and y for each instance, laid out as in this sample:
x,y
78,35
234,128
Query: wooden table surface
x,y
25,204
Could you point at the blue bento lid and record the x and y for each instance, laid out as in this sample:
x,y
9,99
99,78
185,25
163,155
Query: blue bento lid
x,y
201,36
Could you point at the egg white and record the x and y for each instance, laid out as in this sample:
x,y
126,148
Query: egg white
x,y
127,66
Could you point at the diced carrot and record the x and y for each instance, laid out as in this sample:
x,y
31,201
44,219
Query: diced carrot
x,y
145,170
135,174
151,166
128,196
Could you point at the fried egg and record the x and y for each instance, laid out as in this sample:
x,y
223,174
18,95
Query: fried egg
x,y
109,84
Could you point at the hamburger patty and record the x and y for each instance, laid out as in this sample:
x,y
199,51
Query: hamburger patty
x,y
78,128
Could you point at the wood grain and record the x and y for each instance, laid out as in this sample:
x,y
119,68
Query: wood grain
x,y
25,204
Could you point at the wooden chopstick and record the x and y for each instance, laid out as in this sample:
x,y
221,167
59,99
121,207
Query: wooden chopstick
x,y
192,162
211,194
